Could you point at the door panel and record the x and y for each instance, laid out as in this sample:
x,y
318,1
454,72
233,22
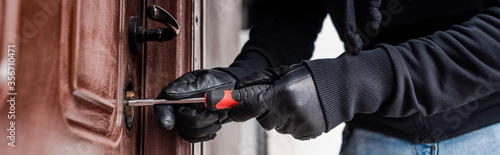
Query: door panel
x,y
99,65
94,64
72,63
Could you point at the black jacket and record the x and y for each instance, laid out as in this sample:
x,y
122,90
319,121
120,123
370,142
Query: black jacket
x,y
431,73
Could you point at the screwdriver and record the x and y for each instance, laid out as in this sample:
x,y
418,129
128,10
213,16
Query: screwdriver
x,y
215,99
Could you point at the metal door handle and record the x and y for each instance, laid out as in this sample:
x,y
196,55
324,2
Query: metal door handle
x,y
138,34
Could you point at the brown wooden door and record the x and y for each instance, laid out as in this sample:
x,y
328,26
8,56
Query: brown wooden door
x,y
163,63
72,64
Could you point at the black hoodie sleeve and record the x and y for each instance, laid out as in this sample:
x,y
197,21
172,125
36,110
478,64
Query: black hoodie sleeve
x,y
427,75
283,34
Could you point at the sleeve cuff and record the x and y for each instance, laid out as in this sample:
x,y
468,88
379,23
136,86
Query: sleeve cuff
x,y
352,84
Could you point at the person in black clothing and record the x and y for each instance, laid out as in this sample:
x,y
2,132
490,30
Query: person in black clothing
x,y
423,72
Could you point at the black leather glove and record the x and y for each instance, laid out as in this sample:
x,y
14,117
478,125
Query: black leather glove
x,y
290,105
194,121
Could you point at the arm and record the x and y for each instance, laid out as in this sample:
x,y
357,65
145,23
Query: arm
x,y
283,34
427,75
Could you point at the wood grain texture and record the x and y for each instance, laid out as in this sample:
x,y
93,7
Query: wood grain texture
x,y
164,62
2,20
72,64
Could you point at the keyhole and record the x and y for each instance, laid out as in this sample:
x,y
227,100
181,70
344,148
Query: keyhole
x,y
128,112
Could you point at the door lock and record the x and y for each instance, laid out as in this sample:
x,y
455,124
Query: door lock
x,y
137,34
128,112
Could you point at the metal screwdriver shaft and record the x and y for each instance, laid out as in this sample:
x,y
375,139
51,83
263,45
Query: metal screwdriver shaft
x,y
150,102
214,100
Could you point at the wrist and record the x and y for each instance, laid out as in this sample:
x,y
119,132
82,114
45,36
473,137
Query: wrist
x,y
352,84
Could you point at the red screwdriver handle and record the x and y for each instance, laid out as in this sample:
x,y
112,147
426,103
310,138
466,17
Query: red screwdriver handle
x,y
217,99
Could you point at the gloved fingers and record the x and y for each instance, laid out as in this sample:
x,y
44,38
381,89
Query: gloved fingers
x,y
198,139
196,83
165,115
374,15
268,121
179,86
307,137
249,108
266,76
199,133
194,116
222,116
227,120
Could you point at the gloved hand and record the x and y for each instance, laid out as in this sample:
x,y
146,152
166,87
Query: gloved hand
x,y
194,121
290,105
